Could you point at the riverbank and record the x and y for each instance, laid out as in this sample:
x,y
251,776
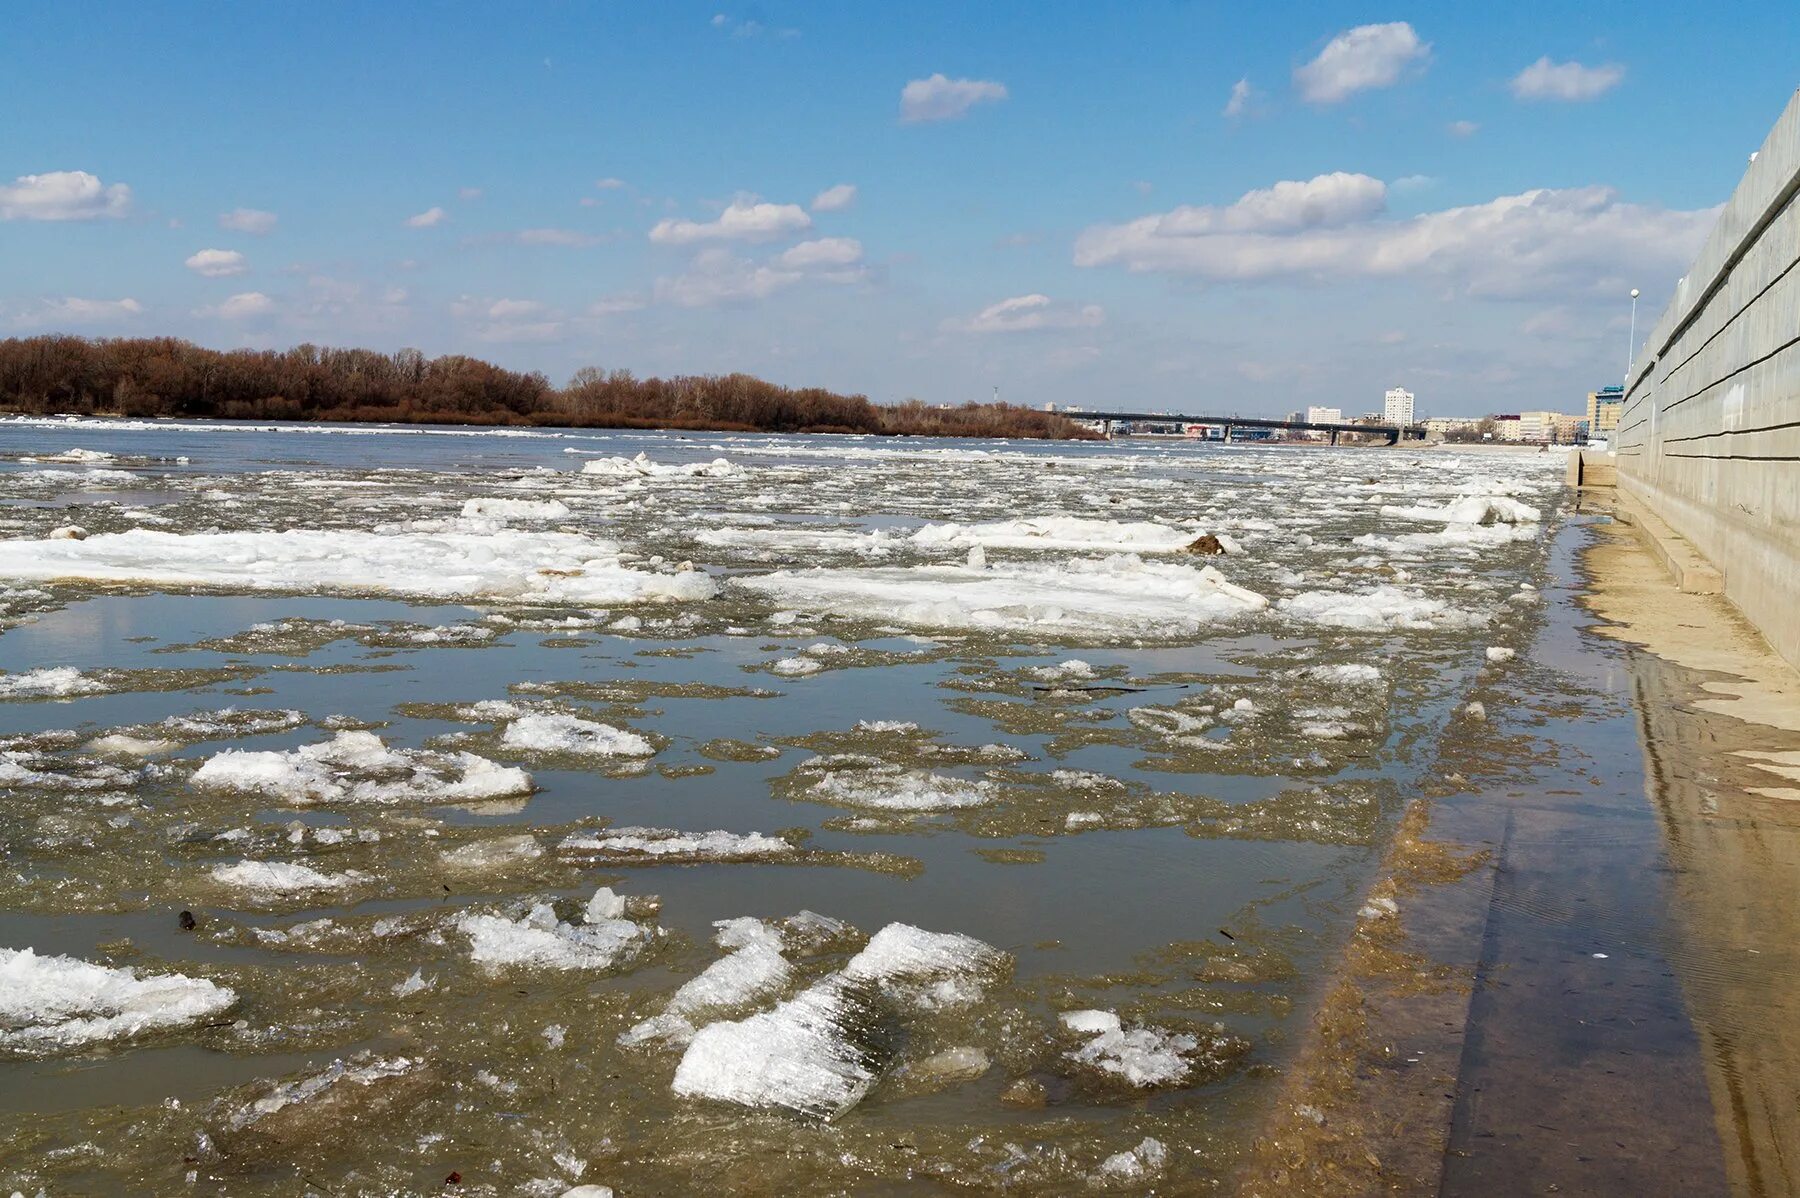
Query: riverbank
x,y
1600,901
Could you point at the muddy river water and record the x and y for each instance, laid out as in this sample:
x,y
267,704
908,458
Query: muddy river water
x,y
382,811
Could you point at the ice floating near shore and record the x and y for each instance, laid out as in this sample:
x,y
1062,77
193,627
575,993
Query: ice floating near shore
x,y
1471,509
515,509
1066,533
1117,595
642,467
753,970
553,732
530,567
541,941
1141,1056
51,1004
1382,608
668,845
356,767
815,1054
51,682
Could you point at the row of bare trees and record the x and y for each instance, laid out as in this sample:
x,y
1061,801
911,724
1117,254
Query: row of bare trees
x,y
164,376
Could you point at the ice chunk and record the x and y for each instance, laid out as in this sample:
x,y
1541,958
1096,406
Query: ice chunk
x,y
1118,595
1472,509
50,1004
666,844
356,767
515,509
496,853
1382,608
642,467
604,905
541,941
809,1055
884,787
1142,1056
927,969
1497,654
553,732
278,877
533,567
50,682
1143,1161
1068,533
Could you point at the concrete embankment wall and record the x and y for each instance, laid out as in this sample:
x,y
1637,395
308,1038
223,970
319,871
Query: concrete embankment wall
x,y
1709,438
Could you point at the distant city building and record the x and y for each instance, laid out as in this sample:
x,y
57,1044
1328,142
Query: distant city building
x,y
1398,406
1603,409
1315,415
1443,426
1539,428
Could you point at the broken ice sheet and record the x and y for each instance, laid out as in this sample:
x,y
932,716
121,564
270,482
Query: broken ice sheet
x,y
56,1003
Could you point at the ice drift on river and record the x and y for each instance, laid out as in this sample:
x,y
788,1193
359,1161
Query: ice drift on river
x,y
541,941
532,567
554,732
54,1003
356,767
1118,595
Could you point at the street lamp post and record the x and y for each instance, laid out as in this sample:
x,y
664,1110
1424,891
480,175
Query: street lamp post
x,y
1631,346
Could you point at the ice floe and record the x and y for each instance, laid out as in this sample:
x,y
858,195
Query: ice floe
x,y
276,878
53,1004
1140,1056
49,682
530,567
356,767
1117,595
642,467
554,732
669,845
1384,607
538,940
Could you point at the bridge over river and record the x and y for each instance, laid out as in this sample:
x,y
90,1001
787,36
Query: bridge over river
x,y
1394,433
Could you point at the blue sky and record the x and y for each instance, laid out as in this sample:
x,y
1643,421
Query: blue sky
x,y
1061,200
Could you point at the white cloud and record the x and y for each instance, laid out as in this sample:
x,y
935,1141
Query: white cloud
x,y
1463,128
938,98
504,321
248,220
614,305
217,264
743,220
1406,183
609,183
62,195
72,310
426,219
1368,56
716,276
1025,313
246,305
1546,80
822,253
1543,242
1241,94
833,199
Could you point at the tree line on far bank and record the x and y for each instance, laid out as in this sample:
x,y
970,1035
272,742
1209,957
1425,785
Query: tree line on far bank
x,y
165,376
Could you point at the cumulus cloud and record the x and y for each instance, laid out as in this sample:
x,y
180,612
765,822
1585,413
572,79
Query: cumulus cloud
x,y
1581,240
1359,59
254,221
70,310
426,219
743,220
62,195
1546,80
824,253
938,98
217,264
833,199
717,276
1025,313
244,306
1241,95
